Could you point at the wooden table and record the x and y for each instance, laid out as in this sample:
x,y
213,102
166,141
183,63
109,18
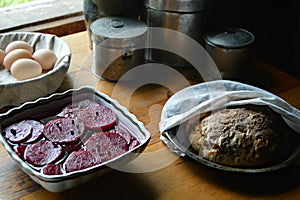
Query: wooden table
x,y
182,178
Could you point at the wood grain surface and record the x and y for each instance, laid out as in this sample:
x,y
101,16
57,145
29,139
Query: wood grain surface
x,y
180,178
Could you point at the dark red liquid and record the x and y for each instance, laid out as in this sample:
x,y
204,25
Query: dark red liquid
x,y
78,145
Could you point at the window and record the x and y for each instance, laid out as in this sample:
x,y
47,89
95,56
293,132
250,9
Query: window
x,y
51,16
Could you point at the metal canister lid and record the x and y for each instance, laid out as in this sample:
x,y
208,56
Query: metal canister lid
x,y
181,5
118,32
232,38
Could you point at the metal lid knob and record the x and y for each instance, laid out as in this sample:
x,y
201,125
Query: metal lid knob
x,y
118,32
116,23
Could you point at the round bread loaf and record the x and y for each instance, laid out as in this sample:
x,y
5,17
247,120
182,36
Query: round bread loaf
x,y
240,137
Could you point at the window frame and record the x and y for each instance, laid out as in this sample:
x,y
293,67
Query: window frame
x,y
47,16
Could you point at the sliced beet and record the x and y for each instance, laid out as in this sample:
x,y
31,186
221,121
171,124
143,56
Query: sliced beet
x,y
106,145
72,146
79,160
94,115
18,132
123,132
64,130
27,131
42,153
134,143
97,117
20,150
52,169
36,130
71,109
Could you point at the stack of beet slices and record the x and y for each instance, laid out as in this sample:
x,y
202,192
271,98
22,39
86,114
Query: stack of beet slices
x,y
84,134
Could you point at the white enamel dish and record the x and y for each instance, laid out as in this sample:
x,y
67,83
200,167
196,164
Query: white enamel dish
x,y
49,106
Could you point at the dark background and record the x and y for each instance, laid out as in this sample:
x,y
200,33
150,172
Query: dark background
x,y
275,24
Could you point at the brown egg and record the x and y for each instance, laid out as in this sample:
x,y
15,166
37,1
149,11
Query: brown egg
x,y
18,45
25,68
2,55
45,57
14,55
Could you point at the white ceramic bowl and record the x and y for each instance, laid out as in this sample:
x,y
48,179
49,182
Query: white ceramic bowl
x,y
49,106
14,92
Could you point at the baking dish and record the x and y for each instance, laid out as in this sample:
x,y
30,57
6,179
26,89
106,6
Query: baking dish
x,y
49,106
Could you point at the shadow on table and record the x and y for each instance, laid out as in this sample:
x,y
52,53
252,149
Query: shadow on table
x,y
275,182
113,185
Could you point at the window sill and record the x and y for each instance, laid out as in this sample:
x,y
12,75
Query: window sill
x,y
47,16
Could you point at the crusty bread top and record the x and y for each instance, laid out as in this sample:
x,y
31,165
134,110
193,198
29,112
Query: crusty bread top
x,y
245,136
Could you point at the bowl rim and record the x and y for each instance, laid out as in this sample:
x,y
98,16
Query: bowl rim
x,y
292,158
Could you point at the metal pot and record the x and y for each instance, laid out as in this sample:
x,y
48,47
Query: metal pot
x,y
118,46
229,50
95,9
193,18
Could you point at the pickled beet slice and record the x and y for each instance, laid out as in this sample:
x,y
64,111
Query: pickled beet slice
x,y
97,118
72,146
71,109
36,130
94,115
52,169
63,130
131,141
134,143
123,132
42,153
79,160
106,145
20,150
18,132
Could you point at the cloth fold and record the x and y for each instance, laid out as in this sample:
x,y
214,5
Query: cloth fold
x,y
213,95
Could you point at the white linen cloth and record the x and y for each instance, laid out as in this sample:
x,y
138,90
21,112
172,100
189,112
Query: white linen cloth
x,y
212,95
